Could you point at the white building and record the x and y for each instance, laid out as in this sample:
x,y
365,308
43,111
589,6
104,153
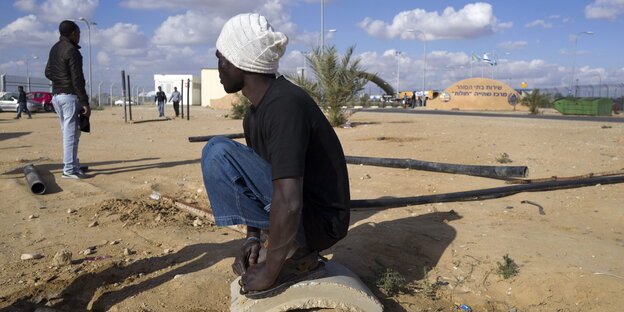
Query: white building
x,y
167,82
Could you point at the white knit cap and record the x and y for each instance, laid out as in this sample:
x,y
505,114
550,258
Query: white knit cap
x,y
249,42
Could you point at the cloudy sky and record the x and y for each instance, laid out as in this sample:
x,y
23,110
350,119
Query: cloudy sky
x,y
532,41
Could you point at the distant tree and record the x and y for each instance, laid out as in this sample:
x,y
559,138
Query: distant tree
x,y
338,80
535,100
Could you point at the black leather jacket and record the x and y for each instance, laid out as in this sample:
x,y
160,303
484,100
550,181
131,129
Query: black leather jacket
x,y
64,69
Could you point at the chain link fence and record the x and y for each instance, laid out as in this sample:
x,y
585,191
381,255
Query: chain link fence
x,y
612,91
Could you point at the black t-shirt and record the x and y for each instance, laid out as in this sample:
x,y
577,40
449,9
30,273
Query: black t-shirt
x,y
288,129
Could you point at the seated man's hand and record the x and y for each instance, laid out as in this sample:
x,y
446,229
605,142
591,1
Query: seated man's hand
x,y
247,256
258,277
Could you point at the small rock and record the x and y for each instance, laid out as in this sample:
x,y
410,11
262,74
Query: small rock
x,y
199,190
167,251
62,258
28,256
115,242
93,224
197,223
33,217
71,210
365,177
87,252
127,252
43,207
158,218
178,276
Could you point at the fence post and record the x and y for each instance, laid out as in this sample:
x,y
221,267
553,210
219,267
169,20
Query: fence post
x,y
129,98
182,95
188,100
123,90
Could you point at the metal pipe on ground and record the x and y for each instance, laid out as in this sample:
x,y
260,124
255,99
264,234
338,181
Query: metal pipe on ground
x,y
406,163
489,193
34,181
482,171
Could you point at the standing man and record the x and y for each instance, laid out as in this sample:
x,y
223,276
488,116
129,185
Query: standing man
x,y
176,98
291,178
160,99
22,104
70,98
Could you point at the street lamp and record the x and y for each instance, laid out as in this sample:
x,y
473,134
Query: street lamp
x,y
574,56
90,72
27,73
599,85
110,94
424,55
398,55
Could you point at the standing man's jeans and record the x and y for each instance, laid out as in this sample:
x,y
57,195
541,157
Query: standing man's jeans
x,y
176,107
23,108
161,109
68,110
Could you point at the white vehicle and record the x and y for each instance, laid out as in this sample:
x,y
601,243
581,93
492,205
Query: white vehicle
x,y
121,102
8,103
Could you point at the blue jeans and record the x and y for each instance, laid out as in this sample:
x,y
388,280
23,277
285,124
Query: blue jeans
x,y
161,109
22,108
68,110
238,183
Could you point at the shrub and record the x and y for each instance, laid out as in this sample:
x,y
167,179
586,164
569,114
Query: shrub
x,y
240,107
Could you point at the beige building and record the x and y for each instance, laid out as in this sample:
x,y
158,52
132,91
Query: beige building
x,y
212,93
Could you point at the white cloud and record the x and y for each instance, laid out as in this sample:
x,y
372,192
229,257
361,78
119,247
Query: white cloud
x,y
472,21
605,9
540,23
505,25
26,31
555,16
103,58
191,28
513,45
25,5
58,10
203,25
122,39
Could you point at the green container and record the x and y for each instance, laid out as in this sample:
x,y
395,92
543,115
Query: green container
x,y
584,106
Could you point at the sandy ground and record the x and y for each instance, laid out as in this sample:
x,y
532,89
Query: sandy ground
x,y
570,259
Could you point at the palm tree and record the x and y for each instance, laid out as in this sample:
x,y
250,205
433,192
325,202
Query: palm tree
x,y
535,100
337,81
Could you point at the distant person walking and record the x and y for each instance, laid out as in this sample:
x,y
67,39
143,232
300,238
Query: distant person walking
x,y
160,99
22,105
176,97
70,98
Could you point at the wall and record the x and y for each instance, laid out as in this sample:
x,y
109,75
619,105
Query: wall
x,y
477,94
212,93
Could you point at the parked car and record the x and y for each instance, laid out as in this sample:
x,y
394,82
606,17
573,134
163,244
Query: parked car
x,y
121,102
8,103
44,98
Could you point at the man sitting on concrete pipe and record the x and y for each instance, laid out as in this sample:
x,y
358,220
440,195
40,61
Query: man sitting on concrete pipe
x,y
290,180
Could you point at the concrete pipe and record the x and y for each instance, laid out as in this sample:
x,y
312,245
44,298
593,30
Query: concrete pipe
x,y
34,181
